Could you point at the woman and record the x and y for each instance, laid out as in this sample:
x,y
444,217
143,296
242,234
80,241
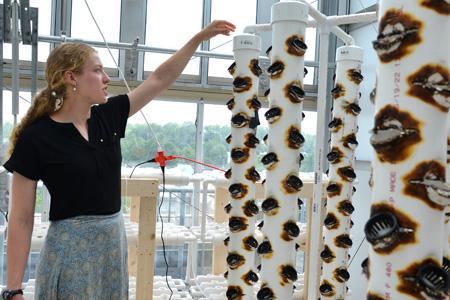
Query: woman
x,y
70,139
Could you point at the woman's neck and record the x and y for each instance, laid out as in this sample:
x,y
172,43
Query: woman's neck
x,y
73,112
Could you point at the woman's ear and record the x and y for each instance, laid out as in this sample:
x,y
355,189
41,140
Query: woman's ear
x,y
69,78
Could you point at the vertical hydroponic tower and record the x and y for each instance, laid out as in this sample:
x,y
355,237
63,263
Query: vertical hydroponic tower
x,y
277,251
341,157
243,175
410,193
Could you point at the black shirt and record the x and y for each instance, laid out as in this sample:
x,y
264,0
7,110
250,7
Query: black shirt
x,y
83,177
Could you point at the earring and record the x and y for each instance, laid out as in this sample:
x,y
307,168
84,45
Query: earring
x,y
58,103
74,87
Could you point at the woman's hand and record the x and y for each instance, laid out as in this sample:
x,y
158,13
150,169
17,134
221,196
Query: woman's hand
x,y
168,71
216,27
18,297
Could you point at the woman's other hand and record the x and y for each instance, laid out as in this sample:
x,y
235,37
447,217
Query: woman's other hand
x,y
216,27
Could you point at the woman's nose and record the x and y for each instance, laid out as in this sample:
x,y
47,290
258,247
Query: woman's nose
x,y
106,78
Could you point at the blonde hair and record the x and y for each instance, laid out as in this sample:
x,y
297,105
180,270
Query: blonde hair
x,y
65,57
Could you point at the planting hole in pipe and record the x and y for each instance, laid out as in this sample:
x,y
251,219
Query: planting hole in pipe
x,y
295,45
399,32
242,84
276,69
250,208
250,140
431,84
237,224
232,68
253,103
294,91
389,228
442,7
255,68
240,120
395,135
424,278
427,183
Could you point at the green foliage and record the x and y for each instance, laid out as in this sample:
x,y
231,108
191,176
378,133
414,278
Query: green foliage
x,y
179,139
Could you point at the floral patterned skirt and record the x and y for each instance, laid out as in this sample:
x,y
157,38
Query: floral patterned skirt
x,y
84,257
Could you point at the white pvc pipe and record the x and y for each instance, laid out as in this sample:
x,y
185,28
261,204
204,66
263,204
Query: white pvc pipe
x,y
258,28
409,192
341,34
322,21
277,251
243,175
196,200
191,264
352,18
341,172
204,209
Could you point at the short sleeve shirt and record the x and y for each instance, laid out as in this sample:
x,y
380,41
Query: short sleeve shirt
x,y
83,177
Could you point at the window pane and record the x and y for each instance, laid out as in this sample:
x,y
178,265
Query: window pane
x,y
308,128
226,10
216,128
173,124
170,26
83,26
8,118
44,16
310,36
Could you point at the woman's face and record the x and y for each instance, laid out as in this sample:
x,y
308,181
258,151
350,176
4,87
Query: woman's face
x,y
93,81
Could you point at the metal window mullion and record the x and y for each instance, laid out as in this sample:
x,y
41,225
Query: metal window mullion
x,y
15,60
1,79
34,16
61,17
61,20
132,16
206,19
199,135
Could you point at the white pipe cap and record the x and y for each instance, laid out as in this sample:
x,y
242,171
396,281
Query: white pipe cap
x,y
246,41
350,52
289,11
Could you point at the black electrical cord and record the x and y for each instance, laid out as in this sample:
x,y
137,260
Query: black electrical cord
x,y
162,230
354,255
134,168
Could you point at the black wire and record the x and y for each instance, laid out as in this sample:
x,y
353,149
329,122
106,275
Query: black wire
x,y
162,231
354,255
147,161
